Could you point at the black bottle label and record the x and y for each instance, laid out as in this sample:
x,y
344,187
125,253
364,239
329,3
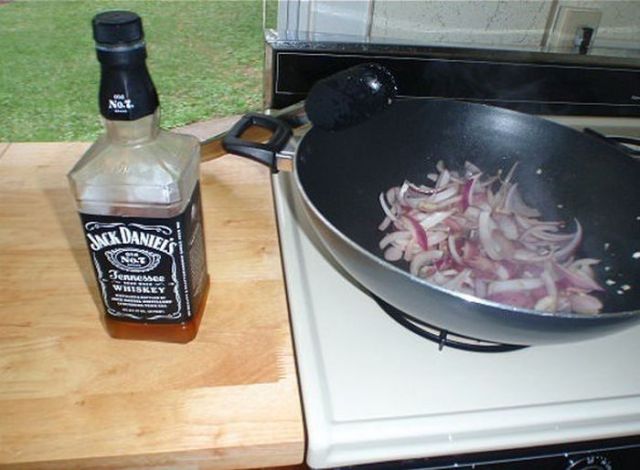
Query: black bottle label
x,y
149,269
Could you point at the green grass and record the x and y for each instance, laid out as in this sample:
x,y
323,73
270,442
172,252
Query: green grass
x,y
205,58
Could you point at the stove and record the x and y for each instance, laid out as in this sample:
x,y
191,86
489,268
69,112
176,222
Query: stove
x,y
376,392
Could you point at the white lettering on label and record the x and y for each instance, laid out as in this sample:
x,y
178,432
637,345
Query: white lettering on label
x,y
120,104
126,236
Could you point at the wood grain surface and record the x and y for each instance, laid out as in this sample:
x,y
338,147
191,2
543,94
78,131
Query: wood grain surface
x,y
71,397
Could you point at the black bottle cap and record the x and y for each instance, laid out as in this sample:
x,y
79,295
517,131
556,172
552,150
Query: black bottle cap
x,y
117,27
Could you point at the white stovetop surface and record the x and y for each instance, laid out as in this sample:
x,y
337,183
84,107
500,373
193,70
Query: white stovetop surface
x,y
374,391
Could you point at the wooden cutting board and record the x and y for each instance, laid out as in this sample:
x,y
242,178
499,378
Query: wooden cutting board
x,y
71,397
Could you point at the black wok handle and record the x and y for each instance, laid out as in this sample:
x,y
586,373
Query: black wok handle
x,y
351,96
264,153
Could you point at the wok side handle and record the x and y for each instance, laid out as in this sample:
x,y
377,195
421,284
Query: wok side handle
x,y
264,153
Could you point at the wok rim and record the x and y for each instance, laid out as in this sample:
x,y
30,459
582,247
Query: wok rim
x,y
626,314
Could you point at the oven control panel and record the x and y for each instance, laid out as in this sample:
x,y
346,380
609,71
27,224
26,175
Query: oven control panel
x,y
610,454
530,82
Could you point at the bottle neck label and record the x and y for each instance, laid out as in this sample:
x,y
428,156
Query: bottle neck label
x,y
127,92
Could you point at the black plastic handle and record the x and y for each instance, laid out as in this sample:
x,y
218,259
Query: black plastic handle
x,y
264,153
350,96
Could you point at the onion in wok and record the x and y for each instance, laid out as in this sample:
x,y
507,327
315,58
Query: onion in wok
x,y
475,234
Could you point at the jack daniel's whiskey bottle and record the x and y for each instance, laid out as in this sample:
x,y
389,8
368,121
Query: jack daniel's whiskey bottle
x,y
138,194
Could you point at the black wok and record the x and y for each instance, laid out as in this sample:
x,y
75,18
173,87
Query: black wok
x,y
562,172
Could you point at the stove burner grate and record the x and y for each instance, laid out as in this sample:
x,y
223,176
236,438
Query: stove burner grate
x,y
442,337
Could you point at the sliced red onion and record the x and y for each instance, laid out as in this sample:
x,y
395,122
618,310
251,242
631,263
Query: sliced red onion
x,y
466,193
502,272
384,225
386,208
443,263
471,169
508,227
548,303
454,251
514,203
455,224
480,288
537,233
570,247
513,268
444,194
411,249
472,213
517,299
488,182
485,229
437,236
392,195
393,254
529,256
584,266
443,179
417,230
585,303
499,197
581,263
428,206
402,192
527,222
438,278
576,278
503,245
521,284
434,219
550,286
449,272
394,237
420,189
461,234
456,282
422,259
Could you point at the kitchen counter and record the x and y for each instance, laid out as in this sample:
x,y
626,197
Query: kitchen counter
x,y
71,397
